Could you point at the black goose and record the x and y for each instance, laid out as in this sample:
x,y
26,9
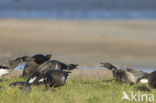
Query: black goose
x,y
33,63
55,65
55,78
4,70
23,86
11,65
49,65
126,74
152,80
15,62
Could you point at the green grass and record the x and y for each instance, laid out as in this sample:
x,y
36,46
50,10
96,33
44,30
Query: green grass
x,y
75,91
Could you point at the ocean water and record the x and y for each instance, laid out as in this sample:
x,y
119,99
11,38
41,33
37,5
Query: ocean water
x,y
148,70
78,9
22,65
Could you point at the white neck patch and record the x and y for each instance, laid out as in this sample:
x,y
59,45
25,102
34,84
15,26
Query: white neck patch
x,y
32,80
143,81
56,67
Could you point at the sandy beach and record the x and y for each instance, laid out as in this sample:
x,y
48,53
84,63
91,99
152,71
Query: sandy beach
x,y
127,43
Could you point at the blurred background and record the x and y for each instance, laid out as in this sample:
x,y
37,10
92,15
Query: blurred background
x,y
87,32
78,9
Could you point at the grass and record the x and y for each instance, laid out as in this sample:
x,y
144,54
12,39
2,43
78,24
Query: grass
x,y
75,91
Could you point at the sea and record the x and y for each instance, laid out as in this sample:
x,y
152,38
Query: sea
x,y
78,9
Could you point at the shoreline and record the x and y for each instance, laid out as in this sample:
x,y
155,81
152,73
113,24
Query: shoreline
x,y
122,42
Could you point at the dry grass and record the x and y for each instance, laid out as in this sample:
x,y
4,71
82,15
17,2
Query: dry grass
x,y
98,74
13,74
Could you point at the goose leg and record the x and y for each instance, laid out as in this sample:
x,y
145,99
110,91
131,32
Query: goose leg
x,y
46,85
131,83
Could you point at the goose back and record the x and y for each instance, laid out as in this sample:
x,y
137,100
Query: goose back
x,y
152,80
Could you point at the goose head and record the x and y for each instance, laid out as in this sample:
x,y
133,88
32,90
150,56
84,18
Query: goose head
x,y
108,66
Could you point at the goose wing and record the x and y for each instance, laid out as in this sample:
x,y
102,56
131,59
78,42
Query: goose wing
x,y
137,73
52,65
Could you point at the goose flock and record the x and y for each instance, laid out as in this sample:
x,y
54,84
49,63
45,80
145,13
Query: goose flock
x,y
39,68
53,73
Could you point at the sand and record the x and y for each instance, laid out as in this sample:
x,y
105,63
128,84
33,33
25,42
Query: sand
x,y
127,42
98,74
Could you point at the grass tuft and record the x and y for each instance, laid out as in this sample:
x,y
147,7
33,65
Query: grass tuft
x,y
75,91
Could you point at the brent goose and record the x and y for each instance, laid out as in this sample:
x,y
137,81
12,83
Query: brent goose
x,y
34,63
126,74
4,70
55,78
23,86
11,65
40,58
49,65
152,80
56,65
15,62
